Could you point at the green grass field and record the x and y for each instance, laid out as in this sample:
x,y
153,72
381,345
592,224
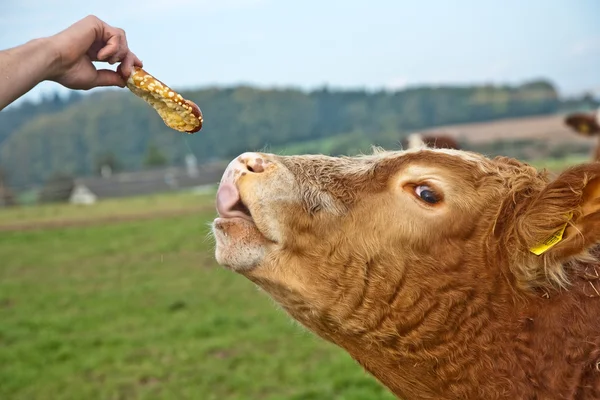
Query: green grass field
x,y
556,165
110,208
140,310
131,305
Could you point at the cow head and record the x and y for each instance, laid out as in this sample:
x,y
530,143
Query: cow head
x,y
375,252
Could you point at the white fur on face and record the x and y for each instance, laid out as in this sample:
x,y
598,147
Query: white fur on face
x,y
239,244
242,244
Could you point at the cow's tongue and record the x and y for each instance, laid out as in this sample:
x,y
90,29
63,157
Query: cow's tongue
x,y
229,204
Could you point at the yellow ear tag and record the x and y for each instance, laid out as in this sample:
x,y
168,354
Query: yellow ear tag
x,y
550,241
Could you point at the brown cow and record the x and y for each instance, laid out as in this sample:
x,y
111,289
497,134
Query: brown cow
x,y
421,265
586,125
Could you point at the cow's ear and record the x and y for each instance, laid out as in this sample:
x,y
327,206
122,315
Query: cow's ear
x,y
557,224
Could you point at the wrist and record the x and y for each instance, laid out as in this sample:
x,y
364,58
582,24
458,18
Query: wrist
x,y
25,66
48,57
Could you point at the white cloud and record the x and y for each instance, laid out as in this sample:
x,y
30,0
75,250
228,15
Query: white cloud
x,y
586,47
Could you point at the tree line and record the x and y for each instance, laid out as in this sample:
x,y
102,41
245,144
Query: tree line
x,y
75,135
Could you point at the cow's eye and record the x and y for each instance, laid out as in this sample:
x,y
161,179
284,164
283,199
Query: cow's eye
x,y
426,194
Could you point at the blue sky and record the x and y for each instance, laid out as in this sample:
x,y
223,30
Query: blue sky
x,y
343,44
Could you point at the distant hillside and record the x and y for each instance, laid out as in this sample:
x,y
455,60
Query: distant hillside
x,y
547,128
527,138
73,136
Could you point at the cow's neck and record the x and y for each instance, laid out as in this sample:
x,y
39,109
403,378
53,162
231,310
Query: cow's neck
x,y
442,327
471,338
431,334
411,330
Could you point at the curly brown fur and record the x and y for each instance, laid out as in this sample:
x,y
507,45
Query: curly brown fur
x,y
439,300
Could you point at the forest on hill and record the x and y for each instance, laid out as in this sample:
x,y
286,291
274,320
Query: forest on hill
x,y
75,135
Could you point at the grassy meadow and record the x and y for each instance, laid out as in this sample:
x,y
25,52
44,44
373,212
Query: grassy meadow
x,y
123,300
126,308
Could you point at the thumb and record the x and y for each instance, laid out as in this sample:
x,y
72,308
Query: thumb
x,y
107,77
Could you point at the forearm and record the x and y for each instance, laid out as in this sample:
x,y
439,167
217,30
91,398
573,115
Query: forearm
x,y
23,67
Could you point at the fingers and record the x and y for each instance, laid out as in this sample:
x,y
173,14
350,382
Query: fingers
x,y
88,40
114,50
117,50
127,65
123,48
107,77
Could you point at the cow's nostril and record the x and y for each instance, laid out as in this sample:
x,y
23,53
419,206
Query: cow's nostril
x,y
255,164
252,162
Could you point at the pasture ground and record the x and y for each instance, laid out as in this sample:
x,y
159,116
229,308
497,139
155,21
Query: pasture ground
x,y
123,300
126,308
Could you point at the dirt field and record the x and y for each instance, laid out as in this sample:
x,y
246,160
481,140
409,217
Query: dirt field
x,y
103,220
109,211
550,128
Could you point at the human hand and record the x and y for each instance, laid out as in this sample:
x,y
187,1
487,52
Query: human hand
x,y
91,39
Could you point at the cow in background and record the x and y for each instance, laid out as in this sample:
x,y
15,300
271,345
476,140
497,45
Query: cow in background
x,y
438,141
586,125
